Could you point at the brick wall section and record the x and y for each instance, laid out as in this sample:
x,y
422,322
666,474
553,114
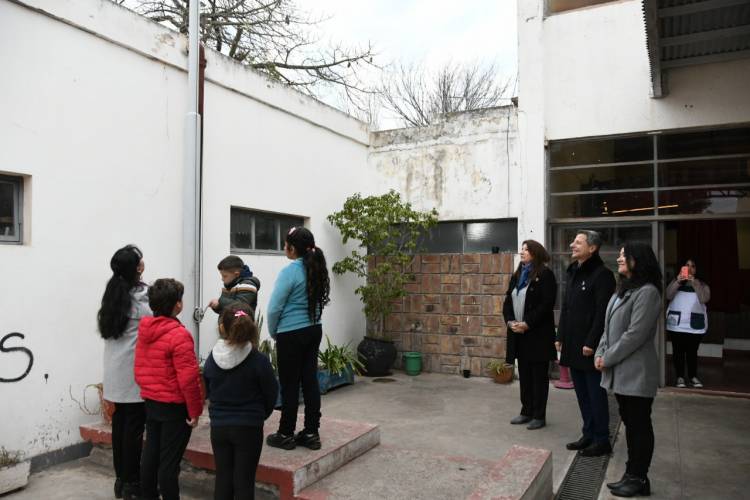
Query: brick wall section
x,y
453,307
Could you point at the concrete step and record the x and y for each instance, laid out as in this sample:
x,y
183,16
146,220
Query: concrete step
x,y
284,472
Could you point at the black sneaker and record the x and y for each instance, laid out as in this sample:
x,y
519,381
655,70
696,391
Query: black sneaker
x,y
308,439
279,440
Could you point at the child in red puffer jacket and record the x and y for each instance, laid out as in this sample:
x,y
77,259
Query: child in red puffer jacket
x,y
167,371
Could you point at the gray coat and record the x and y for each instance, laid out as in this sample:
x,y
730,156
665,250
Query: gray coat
x,y
119,354
628,343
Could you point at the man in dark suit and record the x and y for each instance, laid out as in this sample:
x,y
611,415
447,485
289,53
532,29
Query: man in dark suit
x,y
588,290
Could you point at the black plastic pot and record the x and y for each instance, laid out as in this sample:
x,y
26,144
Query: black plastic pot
x,y
377,356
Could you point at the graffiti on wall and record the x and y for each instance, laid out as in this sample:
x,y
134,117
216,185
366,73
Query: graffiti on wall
x,y
14,351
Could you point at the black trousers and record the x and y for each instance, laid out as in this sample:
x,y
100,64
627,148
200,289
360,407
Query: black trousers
x,y
236,454
685,350
166,441
592,401
297,357
534,379
635,412
127,440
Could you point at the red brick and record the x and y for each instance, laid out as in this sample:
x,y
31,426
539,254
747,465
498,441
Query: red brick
x,y
471,283
449,320
445,264
414,303
430,348
431,283
430,258
449,288
471,341
493,331
433,308
414,265
432,268
492,304
492,279
450,344
447,359
490,263
470,258
432,299
413,287
449,329
450,278
506,263
476,366
394,322
470,268
450,369
451,304
397,306
471,309
470,300
471,325
455,263
430,339
493,321
494,347
405,341
493,289
431,324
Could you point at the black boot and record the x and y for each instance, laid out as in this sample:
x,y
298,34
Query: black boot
x,y
596,449
308,439
619,483
118,488
582,443
279,440
633,486
131,491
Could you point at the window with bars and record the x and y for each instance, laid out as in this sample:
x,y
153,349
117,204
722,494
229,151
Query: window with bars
x,y
11,192
257,231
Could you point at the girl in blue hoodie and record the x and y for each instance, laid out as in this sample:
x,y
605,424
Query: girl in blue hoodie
x,y
242,390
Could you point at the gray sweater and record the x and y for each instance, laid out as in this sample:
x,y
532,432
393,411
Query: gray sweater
x,y
119,354
628,346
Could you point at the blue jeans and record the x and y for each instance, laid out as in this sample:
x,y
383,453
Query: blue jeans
x,y
592,400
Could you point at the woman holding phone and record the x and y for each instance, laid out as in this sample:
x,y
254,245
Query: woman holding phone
x,y
687,322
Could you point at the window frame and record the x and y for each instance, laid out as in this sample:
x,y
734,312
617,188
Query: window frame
x,y
278,222
17,183
421,250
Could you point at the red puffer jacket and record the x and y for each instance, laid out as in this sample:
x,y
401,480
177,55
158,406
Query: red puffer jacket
x,y
165,365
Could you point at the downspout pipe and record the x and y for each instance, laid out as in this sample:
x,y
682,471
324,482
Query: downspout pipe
x,y
191,225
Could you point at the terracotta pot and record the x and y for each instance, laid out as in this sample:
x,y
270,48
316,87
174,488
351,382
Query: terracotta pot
x,y
504,377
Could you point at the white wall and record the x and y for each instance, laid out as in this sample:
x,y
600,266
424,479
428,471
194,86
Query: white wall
x,y
93,101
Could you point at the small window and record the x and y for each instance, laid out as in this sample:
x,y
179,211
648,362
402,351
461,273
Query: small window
x,y
10,209
563,5
255,231
472,237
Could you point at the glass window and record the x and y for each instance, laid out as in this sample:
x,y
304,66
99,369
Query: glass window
x,y
563,5
485,237
10,209
705,172
445,237
600,178
728,200
595,151
252,230
602,204
705,143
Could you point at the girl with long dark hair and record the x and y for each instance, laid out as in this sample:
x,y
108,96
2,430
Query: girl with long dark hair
x,y
300,293
626,356
528,312
124,303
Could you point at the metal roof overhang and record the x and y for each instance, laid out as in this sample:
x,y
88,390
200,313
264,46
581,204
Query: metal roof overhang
x,y
689,32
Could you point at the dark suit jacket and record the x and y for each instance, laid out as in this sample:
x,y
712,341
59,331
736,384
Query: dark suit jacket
x,y
538,342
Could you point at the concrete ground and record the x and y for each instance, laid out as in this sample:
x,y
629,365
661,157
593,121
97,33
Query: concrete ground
x,y
701,449
701,441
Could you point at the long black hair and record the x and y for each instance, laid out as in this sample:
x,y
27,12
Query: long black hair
x,y
643,267
539,259
113,315
318,283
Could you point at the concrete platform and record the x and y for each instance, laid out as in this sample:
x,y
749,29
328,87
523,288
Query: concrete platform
x,y
288,472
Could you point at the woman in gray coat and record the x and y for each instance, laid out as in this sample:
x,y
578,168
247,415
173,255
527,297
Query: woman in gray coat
x,y
124,303
626,356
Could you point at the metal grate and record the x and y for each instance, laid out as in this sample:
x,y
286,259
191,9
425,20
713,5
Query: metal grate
x,y
585,475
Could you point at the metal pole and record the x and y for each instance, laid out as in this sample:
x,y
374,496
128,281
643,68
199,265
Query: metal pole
x,y
192,183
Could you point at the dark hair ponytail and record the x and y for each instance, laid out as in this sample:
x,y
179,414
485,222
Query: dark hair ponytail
x,y
318,283
112,318
238,325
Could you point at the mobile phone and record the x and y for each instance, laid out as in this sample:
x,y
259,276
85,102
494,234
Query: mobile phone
x,y
684,272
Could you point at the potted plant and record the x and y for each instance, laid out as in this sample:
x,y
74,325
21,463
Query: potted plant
x,y
388,231
14,472
337,366
500,371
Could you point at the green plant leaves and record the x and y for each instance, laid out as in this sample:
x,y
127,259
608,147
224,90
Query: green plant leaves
x,y
336,359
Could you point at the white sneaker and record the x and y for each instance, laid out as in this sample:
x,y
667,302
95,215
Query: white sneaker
x,y
680,382
696,383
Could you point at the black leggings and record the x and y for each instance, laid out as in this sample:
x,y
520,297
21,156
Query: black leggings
x,y
635,412
297,353
127,440
236,454
685,350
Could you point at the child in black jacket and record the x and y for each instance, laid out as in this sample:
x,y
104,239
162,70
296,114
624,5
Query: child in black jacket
x,y
242,390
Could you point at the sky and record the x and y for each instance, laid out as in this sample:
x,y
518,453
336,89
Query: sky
x,y
426,32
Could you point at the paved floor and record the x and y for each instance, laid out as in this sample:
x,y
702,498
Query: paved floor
x,y
701,441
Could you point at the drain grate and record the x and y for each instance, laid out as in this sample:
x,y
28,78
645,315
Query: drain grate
x,y
585,475
384,380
